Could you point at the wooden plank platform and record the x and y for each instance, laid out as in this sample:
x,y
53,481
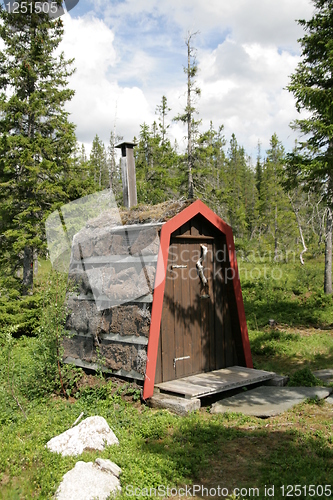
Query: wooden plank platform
x,y
205,384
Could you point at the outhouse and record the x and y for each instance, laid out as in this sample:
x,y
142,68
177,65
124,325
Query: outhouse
x,y
157,300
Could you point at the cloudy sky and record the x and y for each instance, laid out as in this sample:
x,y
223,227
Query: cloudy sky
x,y
129,53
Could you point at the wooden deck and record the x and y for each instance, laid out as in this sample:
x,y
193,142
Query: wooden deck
x,y
205,384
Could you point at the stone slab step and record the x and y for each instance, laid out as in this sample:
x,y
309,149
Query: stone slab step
x,y
267,401
180,406
326,374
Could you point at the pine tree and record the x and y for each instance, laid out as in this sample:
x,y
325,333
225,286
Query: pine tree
x,y
312,87
37,140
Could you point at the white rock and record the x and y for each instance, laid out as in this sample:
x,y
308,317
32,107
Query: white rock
x,y
93,433
107,465
87,481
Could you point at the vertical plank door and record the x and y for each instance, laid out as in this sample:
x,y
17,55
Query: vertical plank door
x,y
187,331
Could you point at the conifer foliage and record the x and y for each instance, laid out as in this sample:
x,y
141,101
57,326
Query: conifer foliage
x,y
37,140
187,117
312,87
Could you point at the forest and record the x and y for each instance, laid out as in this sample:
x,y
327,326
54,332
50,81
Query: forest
x,y
279,206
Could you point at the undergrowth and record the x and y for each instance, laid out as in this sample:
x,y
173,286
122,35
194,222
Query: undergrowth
x,y
287,292
158,448
40,398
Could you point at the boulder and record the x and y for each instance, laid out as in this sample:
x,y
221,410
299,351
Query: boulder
x,y
90,481
92,433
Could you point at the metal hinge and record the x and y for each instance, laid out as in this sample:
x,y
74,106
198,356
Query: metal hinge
x,y
178,267
179,359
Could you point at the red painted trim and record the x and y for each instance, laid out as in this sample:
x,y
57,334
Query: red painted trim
x,y
198,207
239,299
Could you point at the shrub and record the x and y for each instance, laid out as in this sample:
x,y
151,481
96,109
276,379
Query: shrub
x,y
30,367
303,378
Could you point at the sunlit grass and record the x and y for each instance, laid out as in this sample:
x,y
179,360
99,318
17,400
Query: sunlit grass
x,y
158,448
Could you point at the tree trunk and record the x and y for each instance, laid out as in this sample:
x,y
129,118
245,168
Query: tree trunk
x,y
35,257
189,123
275,235
328,239
28,275
328,254
299,225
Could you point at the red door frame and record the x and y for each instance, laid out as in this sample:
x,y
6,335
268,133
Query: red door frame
x,y
198,207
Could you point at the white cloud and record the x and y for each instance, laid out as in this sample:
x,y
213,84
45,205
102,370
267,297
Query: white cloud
x,y
133,54
243,87
99,98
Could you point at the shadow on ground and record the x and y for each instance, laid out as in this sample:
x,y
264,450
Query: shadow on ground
x,y
222,452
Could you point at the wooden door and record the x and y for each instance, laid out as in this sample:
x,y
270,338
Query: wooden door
x,y
187,331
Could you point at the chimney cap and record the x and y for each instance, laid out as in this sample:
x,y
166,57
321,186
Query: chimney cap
x,y
126,144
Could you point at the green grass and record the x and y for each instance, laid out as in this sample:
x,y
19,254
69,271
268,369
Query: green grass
x,y
293,296
289,293
157,448
286,352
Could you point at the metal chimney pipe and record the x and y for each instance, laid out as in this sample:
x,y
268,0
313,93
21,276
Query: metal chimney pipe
x,y
128,173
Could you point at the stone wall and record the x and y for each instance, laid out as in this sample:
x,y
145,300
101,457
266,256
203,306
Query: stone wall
x,y
112,274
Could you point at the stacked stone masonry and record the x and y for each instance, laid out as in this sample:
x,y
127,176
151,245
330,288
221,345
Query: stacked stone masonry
x,y
112,275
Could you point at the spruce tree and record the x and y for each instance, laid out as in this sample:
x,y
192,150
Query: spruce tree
x,y
236,169
187,117
312,87
155,162
80,181
99,164
37,140
162,110
258,170
209,168
275,209
114,166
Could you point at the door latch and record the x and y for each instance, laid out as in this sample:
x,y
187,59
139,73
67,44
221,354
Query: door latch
x,y
178,267
179,359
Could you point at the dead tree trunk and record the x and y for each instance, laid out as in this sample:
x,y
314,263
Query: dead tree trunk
x,y
189,121
276,234
328,239
328,254
299,225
